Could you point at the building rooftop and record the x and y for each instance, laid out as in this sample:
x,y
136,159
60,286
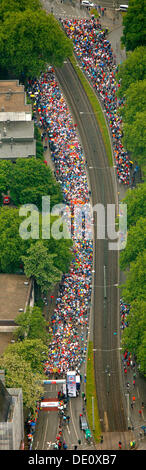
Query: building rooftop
x,y
17,150
16,125
13,97
17,130
13,294
6,85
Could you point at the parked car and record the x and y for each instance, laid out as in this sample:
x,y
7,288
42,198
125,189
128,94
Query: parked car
x,y
88,435
83,423
123,7
6,200
86,3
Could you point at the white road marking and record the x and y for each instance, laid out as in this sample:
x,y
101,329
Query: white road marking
x,y
68,429
73,422
45,431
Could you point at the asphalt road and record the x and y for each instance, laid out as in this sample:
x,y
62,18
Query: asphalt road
x,y
47,427
106,314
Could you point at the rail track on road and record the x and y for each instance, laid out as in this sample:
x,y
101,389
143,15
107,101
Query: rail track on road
x,y
106,312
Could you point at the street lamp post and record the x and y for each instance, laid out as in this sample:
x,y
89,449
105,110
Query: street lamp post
x,y
107,371
93,423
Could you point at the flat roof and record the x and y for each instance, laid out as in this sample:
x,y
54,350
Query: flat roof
x,y
13,295
5,339
15,150
17,130
13,97
14,85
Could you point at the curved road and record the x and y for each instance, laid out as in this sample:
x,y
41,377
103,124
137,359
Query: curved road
x,y
106,312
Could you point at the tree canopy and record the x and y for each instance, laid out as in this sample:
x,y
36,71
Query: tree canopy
x,y
39,264
136,204
134,138
19,374
134,25
134,337
31,325
32,37
136,243
135,101
12,246
28,180
33,351
5,172
132,69
7,7
134,286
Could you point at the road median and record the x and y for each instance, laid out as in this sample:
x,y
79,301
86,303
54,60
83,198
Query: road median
x,y
92,406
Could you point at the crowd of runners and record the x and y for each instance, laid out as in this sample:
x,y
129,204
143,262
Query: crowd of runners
x,y
69,322
95,54
52,115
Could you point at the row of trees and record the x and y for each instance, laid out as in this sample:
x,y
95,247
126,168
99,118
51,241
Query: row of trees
x,y
134,25
133,262
29,39
132,74
132,93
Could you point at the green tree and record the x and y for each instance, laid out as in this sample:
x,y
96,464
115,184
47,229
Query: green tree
x,y
12,247
134,286
32,325
33,351
132,69
8,7
5,170
136,204
136,242
135,101
20,375
30,180
134,25
134,336
141,354
134,139
34,38
41,268
63,250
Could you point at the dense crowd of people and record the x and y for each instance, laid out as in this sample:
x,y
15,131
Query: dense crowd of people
x,y
52,114
69,322
94,52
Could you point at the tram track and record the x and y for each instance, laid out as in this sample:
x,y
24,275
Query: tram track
x,y
106,321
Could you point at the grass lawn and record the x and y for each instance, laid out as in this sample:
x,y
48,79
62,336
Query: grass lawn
x,y
91,392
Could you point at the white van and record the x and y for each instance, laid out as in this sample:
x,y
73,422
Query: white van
x,y
123,7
